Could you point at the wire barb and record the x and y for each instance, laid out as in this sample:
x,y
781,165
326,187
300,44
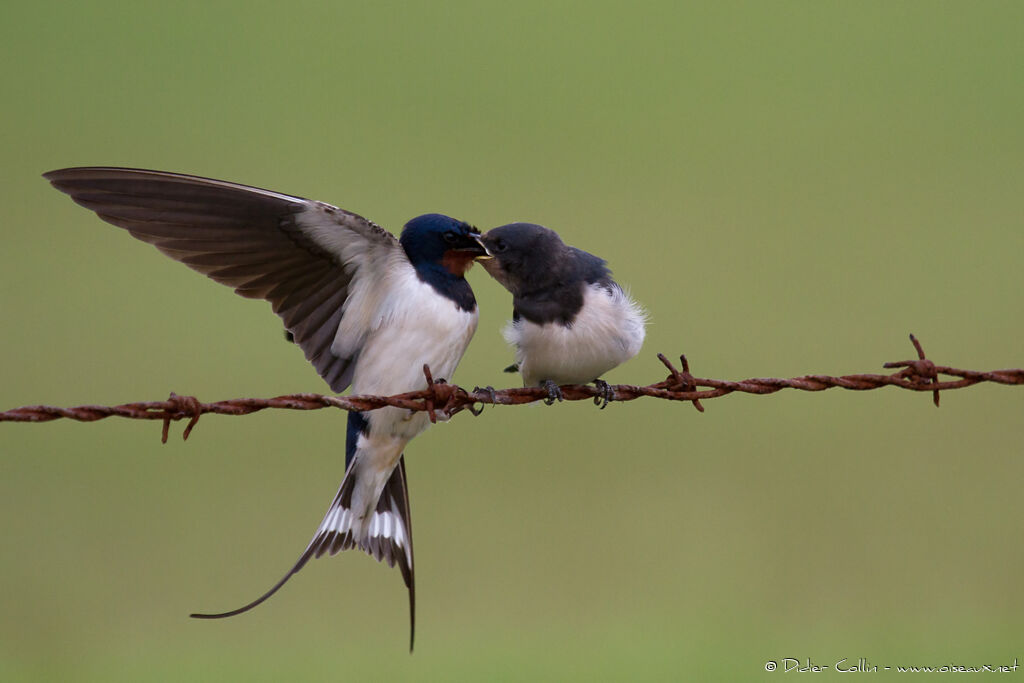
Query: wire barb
x,y
684,381
921,371
184,406
920,374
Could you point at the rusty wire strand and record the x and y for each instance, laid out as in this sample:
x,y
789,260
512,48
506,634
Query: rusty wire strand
x,y
920,374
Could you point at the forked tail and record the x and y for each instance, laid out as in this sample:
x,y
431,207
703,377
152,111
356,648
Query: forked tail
x,y
387,536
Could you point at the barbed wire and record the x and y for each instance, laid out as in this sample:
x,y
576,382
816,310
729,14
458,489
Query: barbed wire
x,y
919,374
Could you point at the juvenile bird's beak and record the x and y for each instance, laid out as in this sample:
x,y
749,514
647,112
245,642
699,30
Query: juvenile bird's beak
x,y
486,253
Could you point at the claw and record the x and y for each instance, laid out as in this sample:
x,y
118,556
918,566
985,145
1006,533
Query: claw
x,y
605,393
554,393
491,393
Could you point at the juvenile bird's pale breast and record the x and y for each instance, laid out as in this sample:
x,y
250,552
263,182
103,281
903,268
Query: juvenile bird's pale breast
x,y
607,331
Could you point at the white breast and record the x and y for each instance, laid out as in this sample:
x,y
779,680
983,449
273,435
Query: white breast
x,y
413,325
608,331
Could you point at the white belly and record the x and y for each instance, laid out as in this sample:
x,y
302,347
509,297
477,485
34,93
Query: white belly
x,y
608,331
418,327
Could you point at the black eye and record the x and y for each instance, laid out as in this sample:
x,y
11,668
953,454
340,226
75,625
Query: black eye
x,y
498,246
450,237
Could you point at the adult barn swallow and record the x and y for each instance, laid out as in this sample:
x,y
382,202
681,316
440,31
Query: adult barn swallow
x,y
571,322
367,309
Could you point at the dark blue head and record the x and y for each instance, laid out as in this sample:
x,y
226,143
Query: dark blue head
x,y
435,238
442,249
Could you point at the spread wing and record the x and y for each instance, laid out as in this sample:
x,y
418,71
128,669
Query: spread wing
x,y
302,256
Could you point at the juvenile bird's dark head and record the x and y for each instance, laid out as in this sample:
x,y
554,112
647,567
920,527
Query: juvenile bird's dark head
x,y
527,257
438,240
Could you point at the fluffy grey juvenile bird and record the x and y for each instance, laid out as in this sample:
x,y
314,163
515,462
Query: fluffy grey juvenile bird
x,y
571,322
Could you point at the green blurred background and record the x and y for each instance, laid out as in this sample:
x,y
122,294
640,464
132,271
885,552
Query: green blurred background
x,y
788,187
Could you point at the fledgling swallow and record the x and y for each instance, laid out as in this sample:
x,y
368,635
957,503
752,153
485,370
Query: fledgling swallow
x,y
368,310
571,322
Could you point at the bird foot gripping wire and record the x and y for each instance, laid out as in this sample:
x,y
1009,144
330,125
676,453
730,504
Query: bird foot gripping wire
x,y
491,394
918,372
605,394
682,381
554,392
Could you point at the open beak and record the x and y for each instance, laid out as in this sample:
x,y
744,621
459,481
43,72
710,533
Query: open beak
x,y
486,254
